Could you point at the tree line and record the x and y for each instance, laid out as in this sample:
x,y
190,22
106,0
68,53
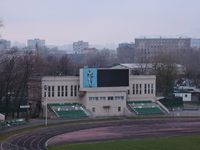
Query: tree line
x,y
17,67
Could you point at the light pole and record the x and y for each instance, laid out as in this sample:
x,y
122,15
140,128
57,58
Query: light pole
x,y
45,95
46,113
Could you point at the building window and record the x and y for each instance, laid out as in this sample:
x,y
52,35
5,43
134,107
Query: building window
x,y
102,98
133,89
119,109
58,91
110,97
75,90
117,97
145,88
49,91
128,92
93,109
136,89
94,98
148,88
140,89
62,90
71,90
52,92
151,88
66,91
45,94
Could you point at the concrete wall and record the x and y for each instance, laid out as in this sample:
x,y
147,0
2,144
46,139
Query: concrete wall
x,y
141,93
104,101
60,82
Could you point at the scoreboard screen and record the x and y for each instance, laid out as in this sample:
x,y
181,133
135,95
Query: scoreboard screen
x,y
93,77
112,77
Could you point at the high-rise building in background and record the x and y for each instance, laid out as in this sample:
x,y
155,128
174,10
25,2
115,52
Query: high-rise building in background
x,y
148,48
125,52
38,46
195,43
4,44
80,46
35,43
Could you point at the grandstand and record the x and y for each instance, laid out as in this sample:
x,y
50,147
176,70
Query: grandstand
x,y
145,107
96,92
68,110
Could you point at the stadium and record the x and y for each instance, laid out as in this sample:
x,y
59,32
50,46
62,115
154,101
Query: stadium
x,y
100,109
96,92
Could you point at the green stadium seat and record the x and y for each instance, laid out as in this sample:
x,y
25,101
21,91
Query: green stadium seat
x,y
68,110
145,107
148,111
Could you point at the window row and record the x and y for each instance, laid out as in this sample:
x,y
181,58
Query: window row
x,y
62,91
107,98
142,89
118,108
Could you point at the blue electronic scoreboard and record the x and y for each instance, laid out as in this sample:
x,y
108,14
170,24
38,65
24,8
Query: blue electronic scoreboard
x,y
93,78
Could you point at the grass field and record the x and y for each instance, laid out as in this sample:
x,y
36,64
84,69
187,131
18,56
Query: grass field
x,y
172,143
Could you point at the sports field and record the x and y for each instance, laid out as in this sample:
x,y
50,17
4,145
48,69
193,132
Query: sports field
x,y
170,143
140,134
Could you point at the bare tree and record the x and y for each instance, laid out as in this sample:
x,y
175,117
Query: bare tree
x,y
64,66
100,59
190,59
7,77
15,71
166,73
24,69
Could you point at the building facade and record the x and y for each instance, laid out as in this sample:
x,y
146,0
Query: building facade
x,y
34,43
125,52
37,46
147,68
195,43
4,45
148,48
78,47
99,95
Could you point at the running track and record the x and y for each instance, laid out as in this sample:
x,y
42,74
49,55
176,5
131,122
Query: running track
x,y
125,129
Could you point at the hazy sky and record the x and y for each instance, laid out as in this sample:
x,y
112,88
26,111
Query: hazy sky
x,y
98,21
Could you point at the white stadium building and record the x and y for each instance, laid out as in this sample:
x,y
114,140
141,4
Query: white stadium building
x,y
95,92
